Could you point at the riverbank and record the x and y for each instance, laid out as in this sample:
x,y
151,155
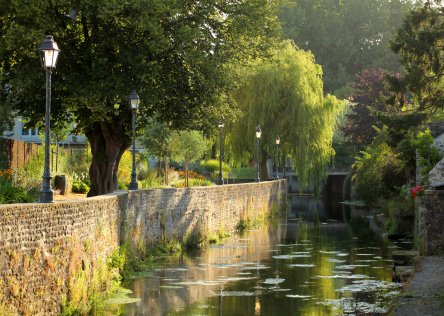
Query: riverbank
x,y
423,294
57,254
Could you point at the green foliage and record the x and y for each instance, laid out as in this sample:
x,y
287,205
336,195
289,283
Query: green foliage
x,y
395,210
117,259
211,166
125,169
76,161
243,173
345,36
33,169
155,138
429,154
151,181
379,173
192,183
285,97
247,223
218,236
188,146
10,193
80,183
419,43
180,56
192,240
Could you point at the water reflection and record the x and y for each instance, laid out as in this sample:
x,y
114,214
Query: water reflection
x,y
317,267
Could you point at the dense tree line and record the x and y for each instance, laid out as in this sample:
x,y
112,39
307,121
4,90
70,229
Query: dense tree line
x,y
178,55
346,36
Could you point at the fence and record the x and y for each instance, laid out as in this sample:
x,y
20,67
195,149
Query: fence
x,y
15,154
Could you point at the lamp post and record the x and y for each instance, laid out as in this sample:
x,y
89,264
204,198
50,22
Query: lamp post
x,y
49,51
278,140
134,102
220,180
258,136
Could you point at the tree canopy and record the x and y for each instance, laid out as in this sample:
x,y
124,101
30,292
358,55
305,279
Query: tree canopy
x,y
346,36
187,146
369,93
420,44
284,95
177,54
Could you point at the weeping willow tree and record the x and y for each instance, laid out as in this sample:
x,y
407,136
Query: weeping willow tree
x,y
284,95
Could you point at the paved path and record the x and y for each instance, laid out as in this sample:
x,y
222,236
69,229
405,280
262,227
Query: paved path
x,y
424,295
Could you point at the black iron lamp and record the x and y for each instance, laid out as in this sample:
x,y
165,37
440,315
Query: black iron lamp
x,y
134,102
49,52
258,136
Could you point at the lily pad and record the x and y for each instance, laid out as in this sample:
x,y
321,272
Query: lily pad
x,y
351,266
291,256
336,260
273,281
259,267
297,296
235,279
234,293
343,276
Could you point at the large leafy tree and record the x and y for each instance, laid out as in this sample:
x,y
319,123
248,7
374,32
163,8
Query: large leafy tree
x,y
369,93
346,36
284,95
188,146
177,55
420,43
156,139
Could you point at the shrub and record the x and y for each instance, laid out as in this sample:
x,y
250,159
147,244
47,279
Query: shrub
x,y
191,174
80,182
243,173
76,161
151,182
379,173
9,193
212,167
125,169
192,183
429,154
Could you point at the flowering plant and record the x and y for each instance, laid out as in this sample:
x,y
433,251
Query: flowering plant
x,y
191,174
6,173
416,190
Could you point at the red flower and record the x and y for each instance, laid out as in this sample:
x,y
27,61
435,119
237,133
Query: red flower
x,y
416,190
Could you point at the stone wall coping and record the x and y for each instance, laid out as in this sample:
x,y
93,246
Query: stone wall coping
x,y
130,192
433,192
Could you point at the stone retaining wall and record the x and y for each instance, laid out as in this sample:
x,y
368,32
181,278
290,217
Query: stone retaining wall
x,y
431,219
53,251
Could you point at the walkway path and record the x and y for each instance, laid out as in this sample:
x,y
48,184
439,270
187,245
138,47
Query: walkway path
x,y
424,295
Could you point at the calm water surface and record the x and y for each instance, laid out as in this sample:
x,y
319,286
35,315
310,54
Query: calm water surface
x,y
324,264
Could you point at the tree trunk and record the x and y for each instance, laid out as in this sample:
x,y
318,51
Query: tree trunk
x,y
109,141
186,173
159,166
263,165
213,150
166,170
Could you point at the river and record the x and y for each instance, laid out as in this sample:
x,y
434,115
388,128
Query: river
x,y
314,261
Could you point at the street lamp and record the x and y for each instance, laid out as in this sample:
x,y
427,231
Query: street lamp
x,y
134,102
49,51
258,136
278,140
220,180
